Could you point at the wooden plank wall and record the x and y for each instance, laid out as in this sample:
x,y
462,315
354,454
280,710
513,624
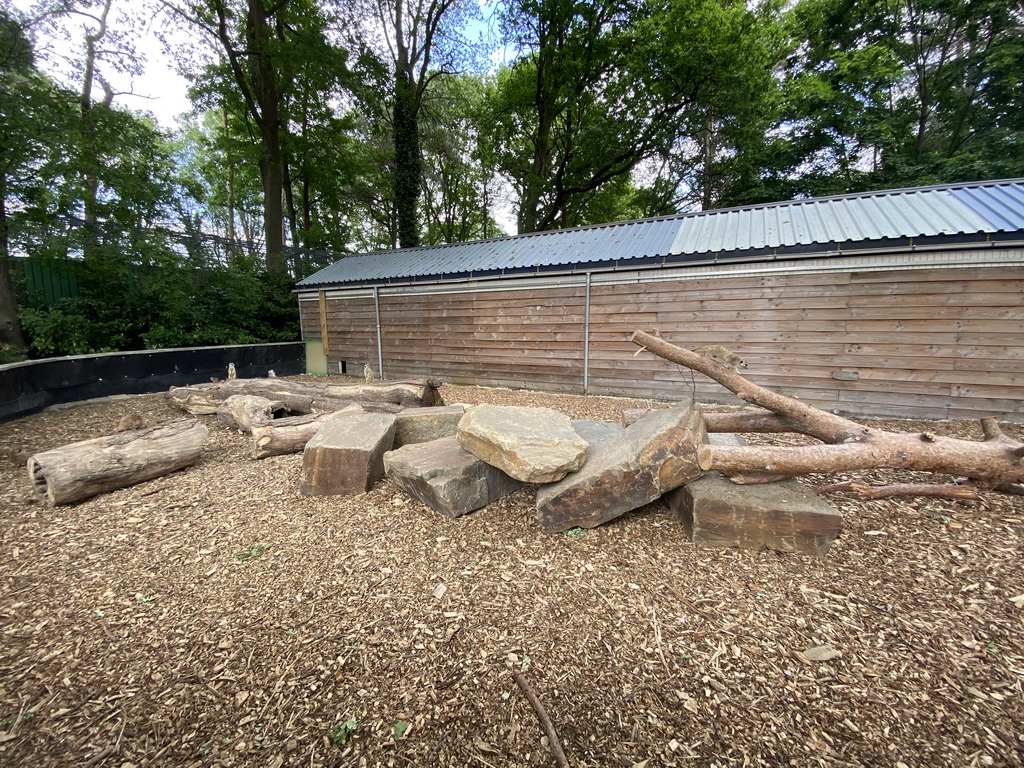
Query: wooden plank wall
x,y
519,338
936,343
930,343
351,332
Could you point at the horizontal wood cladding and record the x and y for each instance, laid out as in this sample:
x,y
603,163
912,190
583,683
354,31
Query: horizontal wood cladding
x,y
917,340
519,338
924,342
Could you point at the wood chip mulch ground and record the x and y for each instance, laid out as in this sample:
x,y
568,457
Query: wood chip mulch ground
x,y
215,617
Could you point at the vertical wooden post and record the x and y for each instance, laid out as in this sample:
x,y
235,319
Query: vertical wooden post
x,y
586,338
323,328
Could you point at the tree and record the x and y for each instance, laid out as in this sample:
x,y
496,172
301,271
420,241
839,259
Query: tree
x,y
899,93
457,181
33,123
267,52
423,43
603,86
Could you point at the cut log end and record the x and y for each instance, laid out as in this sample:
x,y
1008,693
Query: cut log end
x,y
37,476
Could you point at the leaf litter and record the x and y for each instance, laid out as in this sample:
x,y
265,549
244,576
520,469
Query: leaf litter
x,y
216,617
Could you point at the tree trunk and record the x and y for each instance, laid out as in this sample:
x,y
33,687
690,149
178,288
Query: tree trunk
x,y
849,445
302,397
245,411
81,470
289,435
10,328
408,169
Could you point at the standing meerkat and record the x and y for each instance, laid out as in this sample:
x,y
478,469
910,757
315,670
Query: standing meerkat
x,y
723,355
231,372
368,373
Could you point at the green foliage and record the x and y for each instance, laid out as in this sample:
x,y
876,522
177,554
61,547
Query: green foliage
x,y
342,732
400,729
252,552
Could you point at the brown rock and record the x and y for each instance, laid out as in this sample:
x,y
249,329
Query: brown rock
x,y
346,457
535,445
652,456
783,516
446,477
422,425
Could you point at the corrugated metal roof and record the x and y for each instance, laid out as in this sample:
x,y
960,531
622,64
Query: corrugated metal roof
x,y
966,209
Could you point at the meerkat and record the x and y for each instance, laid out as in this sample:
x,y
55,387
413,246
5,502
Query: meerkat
x,y
725,356
231,372
271,374
15,454
368,373
130,421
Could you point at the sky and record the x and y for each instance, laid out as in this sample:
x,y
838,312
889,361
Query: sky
x,y
158,89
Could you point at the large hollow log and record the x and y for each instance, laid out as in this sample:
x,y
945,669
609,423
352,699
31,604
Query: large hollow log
x,y
290,435
301,397
80,470
243,412
847,444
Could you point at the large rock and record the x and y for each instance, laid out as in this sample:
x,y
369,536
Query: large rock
x,y
535,445
421,425
446,477
783,516
346,457
595,431
652,456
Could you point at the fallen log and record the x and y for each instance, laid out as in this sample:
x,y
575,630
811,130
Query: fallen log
x,y
246,411
301,397
80,470
846,445
290,434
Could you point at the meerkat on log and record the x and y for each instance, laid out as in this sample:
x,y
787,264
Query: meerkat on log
x,y
723,355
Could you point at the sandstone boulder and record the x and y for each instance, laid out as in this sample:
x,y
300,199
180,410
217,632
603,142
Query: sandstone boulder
x,y
784,516
535,445
422,425
650,457
447,478
346,456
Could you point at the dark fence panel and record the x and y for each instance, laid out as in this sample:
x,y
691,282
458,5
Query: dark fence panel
x,y
31,386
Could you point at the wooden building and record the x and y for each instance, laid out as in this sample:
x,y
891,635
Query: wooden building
x,y
903,302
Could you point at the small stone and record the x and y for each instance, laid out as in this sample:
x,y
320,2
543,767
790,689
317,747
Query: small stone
x,y
822,653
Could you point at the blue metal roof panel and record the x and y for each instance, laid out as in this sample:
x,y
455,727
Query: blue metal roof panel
x,y
971,208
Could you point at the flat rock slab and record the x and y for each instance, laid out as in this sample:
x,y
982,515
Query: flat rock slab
x,y
346,457
535,445
422,425
446,477
594,431
650,457
784,516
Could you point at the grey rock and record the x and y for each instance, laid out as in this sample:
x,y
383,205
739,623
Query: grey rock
x,y
535,445
447,478
594,431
